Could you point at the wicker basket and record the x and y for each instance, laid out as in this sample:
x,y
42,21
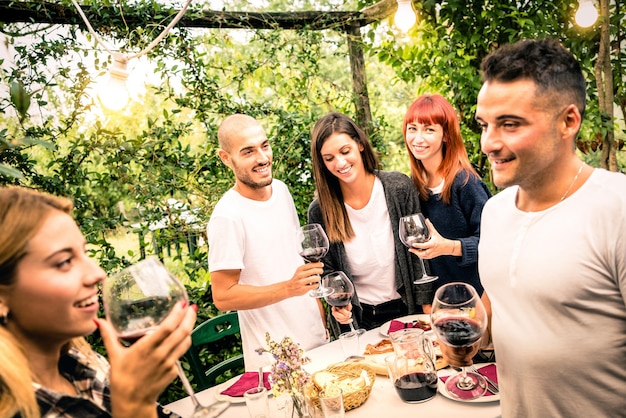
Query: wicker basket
x,y
348,370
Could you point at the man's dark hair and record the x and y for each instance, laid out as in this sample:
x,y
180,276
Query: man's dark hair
x,y
545,61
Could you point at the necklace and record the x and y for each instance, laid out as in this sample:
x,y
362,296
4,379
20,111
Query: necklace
x,y
573,181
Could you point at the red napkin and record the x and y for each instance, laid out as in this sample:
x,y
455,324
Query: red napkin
x,y
248,380
488,370
396,325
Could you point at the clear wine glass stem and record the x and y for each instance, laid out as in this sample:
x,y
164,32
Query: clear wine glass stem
x,y
352,329
465,383
200,411
425,277
423,268
187,384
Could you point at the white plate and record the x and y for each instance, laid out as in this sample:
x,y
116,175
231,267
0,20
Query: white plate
x,y
232,399
441,386
409,318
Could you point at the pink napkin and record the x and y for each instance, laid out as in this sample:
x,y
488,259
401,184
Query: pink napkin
x,y
396,325
248,380
488,370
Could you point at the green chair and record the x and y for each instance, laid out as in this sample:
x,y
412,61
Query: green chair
x,y
209,331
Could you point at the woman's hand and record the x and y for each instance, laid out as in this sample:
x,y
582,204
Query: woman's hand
x,y
436,245
141,372
342,315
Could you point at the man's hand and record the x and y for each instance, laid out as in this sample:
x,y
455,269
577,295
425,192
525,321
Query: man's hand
x,y
306,277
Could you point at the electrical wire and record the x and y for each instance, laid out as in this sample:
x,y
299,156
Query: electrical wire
x,y
123,57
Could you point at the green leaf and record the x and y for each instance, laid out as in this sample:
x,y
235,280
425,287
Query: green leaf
x,y
20,98
10,171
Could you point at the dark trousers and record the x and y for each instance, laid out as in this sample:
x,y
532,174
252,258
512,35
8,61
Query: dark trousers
x,y
376,315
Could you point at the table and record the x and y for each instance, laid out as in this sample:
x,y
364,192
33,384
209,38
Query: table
x,y
383,400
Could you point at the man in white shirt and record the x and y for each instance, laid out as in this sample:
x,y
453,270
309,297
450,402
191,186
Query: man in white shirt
x,y
552,252
253,257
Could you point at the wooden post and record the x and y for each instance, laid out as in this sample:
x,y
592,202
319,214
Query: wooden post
x,y
359,79
604,83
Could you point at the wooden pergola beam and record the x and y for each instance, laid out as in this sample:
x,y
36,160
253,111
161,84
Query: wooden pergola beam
x,y
60,14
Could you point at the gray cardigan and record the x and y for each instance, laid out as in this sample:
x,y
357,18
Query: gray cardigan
x,y
402,199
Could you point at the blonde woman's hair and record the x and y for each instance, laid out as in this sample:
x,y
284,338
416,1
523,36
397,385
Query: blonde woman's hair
x,y
16,390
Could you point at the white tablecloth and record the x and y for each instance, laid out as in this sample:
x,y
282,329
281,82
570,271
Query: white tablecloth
x,y
382,402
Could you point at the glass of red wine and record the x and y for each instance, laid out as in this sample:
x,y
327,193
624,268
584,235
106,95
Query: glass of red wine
x,y
342,291
136,300
413,230
459,319
313,246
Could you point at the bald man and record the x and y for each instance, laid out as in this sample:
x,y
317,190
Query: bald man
x,y
253,258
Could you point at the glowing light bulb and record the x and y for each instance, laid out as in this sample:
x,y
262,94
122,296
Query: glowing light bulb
x,y
114,93
405,15
587,14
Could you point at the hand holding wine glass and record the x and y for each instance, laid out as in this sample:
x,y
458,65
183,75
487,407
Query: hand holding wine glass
x,y
412,230
342,291
459,319
312,246
138,299
138,375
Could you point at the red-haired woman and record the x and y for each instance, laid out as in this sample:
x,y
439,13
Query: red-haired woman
x,y
452,195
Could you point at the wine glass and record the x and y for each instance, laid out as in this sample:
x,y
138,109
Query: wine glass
x,y
136,300
412,230
342,291
459,319
313,246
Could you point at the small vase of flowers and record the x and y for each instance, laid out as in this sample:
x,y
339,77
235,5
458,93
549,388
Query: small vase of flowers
x,y
287,376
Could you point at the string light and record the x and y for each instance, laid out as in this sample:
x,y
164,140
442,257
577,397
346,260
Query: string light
x,y
587,13
405,15
114,94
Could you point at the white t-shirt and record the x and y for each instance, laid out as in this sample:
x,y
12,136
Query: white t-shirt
x,y
260,239
371,253
557,284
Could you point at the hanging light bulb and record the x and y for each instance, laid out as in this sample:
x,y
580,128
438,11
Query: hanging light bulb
x,y
405,15
587,13
114,93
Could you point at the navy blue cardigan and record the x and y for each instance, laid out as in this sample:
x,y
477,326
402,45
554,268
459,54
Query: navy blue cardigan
x,y
460,220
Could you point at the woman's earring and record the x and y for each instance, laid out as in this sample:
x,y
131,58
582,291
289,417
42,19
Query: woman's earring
x,y
4,318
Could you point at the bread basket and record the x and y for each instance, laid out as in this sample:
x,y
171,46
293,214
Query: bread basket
x,y
354,379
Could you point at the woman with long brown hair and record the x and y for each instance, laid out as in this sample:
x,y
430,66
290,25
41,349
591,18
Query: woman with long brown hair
x,y
452,195
359,206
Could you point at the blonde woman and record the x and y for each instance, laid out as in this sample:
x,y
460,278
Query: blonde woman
x,y
49,302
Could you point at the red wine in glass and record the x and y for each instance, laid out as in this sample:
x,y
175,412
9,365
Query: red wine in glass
x,y
313,255
131,338
137,317
339,299
342,291
458,332
312,246
459,319
416,387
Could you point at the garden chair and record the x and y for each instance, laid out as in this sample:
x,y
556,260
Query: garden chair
x,y
209,331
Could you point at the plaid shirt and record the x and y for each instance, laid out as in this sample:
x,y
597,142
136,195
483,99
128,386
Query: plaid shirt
x,y
94,400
